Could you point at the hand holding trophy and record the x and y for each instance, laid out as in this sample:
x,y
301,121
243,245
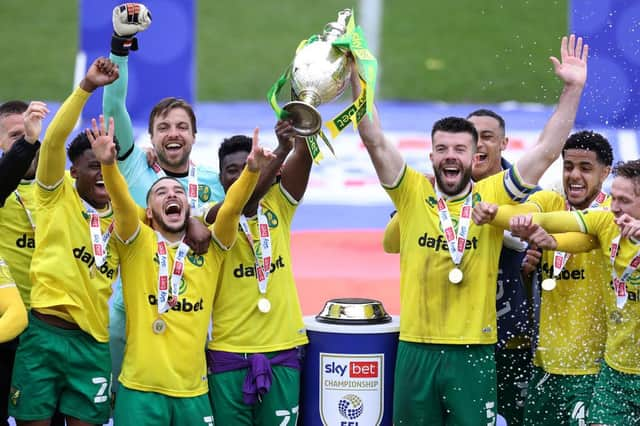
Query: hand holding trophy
x,y
319,74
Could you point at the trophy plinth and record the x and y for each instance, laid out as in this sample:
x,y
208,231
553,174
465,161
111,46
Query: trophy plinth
x,y
319,74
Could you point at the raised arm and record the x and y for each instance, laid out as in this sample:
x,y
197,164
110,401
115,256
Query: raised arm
x,y
296,170
226,224
128,20
385,157
125,210
114,106
15,163
572,69
51,164
285,133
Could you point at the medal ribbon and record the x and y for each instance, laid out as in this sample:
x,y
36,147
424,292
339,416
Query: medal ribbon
x,y
262,253
620,283
167,301
560,258
456,242
192,185
99,240
26,210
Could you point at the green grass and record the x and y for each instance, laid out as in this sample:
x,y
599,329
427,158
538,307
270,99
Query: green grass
x,y
455,51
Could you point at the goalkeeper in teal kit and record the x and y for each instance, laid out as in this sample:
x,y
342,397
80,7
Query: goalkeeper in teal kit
x,y
172,129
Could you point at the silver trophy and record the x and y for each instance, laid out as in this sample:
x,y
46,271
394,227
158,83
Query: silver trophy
x,y
319,75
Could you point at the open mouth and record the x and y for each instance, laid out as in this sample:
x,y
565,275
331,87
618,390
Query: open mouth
x,y
576,189
173,209
173,146
451,171
100,183
481,156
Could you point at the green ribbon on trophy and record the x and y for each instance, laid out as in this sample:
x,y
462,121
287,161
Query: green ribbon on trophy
x,y
318,75
355,42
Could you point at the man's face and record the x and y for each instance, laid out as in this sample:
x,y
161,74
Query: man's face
x,y
168,207
582,177
11,129
172,138
231,168
625,198
491,143
88,175
451,157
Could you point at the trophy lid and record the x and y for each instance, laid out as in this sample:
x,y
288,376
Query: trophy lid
x,y
335,29
355,311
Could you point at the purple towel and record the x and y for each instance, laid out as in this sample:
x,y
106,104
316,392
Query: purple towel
x,y
259,376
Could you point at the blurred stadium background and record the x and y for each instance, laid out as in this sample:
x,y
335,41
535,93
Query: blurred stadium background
x,y
436,59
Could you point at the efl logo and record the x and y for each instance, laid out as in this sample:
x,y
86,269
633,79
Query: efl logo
x,y
363,369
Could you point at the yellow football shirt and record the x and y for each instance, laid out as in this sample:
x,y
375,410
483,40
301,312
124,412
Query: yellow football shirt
x,y
433,310
623,335
165,362
66,281
573,326
238,325
17,239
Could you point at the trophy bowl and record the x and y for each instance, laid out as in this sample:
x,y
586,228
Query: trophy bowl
x,y
319,74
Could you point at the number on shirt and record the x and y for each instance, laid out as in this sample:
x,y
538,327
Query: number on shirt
x,y
102,395
287,416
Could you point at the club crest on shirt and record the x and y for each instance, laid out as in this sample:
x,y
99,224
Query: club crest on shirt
x,y
204,193
14,396
431,200
634,279
272,219
195,259
454,222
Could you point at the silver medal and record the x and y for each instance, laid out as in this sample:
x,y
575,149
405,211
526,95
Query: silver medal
x,y
455,276
264,305
159,326
549,284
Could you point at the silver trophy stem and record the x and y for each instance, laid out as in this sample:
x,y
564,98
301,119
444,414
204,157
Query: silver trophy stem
x,y
305,117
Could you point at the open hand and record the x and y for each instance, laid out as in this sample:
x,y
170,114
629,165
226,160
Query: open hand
x,y
572,66
33,116
102,141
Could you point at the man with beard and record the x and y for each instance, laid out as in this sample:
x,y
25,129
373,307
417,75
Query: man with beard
x,y
64,353
617,386
513,350
572,325
445,371
168,291
172,128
